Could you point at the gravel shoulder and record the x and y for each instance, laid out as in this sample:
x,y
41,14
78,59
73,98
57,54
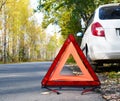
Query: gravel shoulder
x,y
110,82
110,86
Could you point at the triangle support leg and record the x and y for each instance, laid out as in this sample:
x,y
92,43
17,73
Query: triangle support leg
x,y
89,90
55,91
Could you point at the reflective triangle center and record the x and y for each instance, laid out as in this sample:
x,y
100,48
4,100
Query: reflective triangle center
x,y
70,50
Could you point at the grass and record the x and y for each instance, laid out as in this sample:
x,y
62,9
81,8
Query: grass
x,y
114,74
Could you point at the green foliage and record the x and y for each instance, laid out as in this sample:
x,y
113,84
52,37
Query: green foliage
x,y
54,43
114,74
67,13
17,12
70,60
26,40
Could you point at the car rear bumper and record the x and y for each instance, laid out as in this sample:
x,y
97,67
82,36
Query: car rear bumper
x,y
104,51
104,55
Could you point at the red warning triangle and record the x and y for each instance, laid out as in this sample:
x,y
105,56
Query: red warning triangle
x,y
53,77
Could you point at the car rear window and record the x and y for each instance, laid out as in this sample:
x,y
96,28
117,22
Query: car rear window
x,y
111,12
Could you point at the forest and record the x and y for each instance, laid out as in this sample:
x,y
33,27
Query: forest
x,y
23,39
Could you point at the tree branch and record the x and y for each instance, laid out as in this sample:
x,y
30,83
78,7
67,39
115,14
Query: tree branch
x,y
2,4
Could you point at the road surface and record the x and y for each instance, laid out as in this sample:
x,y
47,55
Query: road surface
x,y
22,82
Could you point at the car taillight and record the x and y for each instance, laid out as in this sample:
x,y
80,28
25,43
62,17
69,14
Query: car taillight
x,y
97,29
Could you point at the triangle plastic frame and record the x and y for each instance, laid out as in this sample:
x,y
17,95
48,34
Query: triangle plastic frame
x,y
53,79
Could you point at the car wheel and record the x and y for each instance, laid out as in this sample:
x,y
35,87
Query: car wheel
x,y
93,65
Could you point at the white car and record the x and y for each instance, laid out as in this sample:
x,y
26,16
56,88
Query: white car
x,y
101,40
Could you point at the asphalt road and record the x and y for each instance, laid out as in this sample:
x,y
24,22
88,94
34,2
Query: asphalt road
x,y
22,82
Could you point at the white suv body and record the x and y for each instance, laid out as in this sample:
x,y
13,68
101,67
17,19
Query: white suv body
x,y
101,40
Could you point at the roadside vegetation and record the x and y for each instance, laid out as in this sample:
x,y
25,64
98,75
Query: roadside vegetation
x,y
110,85
69,14
23,39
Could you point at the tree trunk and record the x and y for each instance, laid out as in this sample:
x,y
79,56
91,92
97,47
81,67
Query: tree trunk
x,y
4,35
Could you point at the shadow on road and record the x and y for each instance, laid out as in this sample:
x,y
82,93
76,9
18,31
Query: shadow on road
x,y
113,68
